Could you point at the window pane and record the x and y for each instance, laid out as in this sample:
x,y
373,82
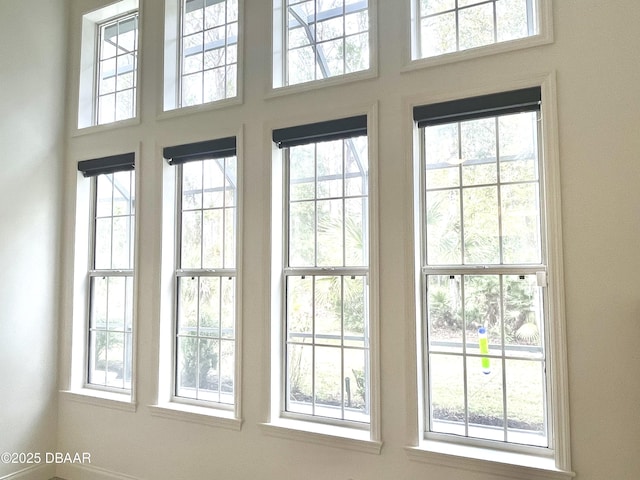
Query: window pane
x,y
187,366
481,230
511,19
443,227
228,307
357,53
329,169
102,254
354,311
116,303
330,58
520,223
209,307
188,299
525,402
442,154
518,147
476,26
482,309
478,140
444,313
302,234
327,309
300,378
330,233
523,316
301,63
438,34
302,173
328,383
446,387
485,400
212,238
355,234
300,309
356,385
191,255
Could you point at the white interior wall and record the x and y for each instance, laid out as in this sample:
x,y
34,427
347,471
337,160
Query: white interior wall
x,y
595,57
32,73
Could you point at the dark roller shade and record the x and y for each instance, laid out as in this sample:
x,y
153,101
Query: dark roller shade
x,y
219,148
321,132
525,100
111,164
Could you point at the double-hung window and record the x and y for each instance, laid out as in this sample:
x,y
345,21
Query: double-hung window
x,y
325,346
318,39
484,269
446,26
202,35
206,272
111,272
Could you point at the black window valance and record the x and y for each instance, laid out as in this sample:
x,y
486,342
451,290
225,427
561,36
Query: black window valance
x,y
321,132
110,164
218,148
524,100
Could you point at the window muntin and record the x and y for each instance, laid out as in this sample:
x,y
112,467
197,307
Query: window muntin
x,y
117,69
209,51
206,281
326,320
324,38
485,339
446,26
111,281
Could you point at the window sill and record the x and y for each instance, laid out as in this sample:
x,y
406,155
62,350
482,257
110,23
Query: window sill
x,y
328,435
174,112
197,414
517,466
100,398
313,85
106,127
478,52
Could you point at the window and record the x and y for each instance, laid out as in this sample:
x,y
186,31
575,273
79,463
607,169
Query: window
x,y
319,39
117,79
109,70
447,26
206,274
205,32
325,272
484,270
110,326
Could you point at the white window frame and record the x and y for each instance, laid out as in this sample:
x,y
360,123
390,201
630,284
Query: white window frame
x,y
107,273
74,385
167,404
280,86
171,94
543,14
283,424
486,456
90,63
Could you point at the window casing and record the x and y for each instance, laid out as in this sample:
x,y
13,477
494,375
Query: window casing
x,y
202,51
206,278
485,305
111,275
326,357
444,27
117,69
107,89
315,40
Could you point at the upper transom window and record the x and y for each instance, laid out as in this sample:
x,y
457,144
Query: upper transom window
x,y
447,26
320,39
